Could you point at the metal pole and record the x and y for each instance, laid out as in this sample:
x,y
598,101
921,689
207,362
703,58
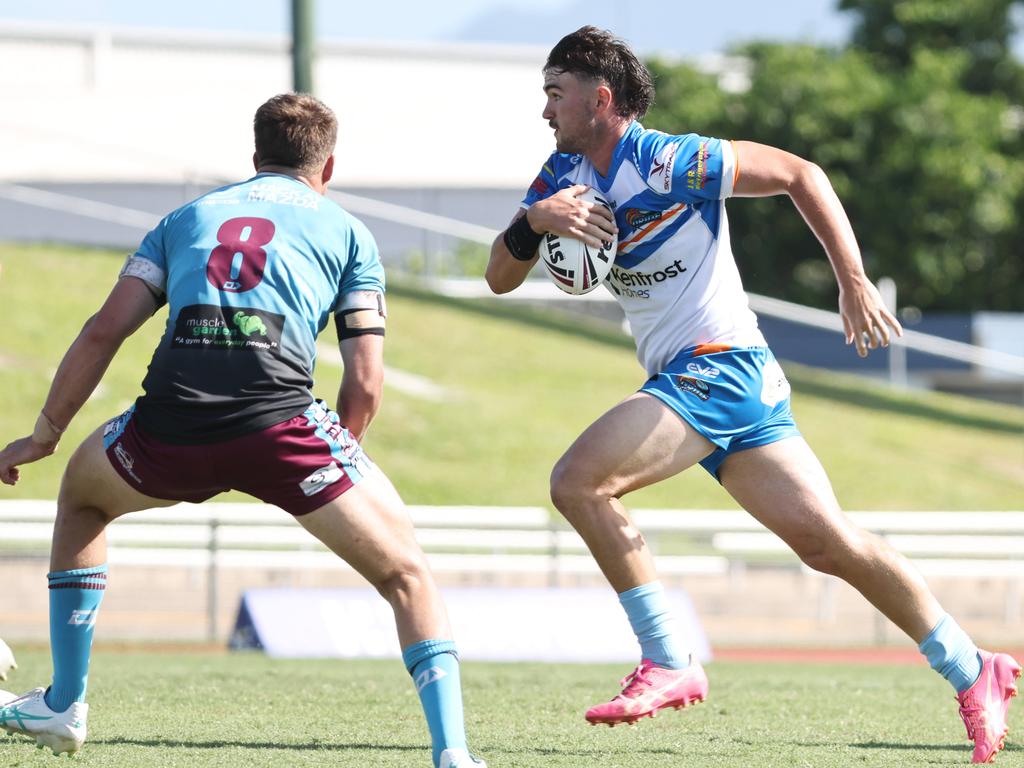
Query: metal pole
x,y
897,352
302,46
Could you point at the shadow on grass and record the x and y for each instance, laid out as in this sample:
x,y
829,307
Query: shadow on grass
x,y
220,744
849,388
329,745
872,397
963,746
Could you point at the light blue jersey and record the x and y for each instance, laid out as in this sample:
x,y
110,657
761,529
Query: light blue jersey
x,y
252,273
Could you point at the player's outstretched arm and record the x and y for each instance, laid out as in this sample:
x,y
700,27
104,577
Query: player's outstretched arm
x,y
514,251
765,171
128,306
362,383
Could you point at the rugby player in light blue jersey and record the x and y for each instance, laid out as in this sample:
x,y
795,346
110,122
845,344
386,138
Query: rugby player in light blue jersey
x,y
716,395
251,274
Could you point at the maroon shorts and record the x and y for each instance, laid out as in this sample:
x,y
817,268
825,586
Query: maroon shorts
x,y
298,465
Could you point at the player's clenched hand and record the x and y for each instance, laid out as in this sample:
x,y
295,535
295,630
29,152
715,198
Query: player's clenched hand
x,y
23,451
866,321
565,214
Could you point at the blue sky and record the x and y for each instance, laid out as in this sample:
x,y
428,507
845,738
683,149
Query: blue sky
x,y
664,26
675,27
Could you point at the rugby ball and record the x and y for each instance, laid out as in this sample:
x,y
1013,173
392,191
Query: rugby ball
x,y
572,265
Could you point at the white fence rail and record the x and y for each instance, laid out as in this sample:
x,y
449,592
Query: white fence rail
x,y
523,541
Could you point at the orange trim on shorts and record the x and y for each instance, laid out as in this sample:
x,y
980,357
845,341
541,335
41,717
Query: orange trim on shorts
x,y
709,349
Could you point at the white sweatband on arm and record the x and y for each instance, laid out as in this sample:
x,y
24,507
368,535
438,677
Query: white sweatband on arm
x,y
360,313
145,270
730,169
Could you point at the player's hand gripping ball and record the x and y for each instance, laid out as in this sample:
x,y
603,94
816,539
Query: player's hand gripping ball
x,y
574,266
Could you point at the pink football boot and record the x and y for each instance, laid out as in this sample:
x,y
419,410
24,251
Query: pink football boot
x,y
983,706
649,688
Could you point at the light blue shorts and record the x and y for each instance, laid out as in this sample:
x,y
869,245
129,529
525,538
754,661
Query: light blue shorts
x,y
736,398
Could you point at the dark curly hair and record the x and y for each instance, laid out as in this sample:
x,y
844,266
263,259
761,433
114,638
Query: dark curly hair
x,y
598,54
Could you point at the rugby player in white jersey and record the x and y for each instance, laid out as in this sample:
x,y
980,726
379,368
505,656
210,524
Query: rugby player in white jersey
x,y
715,396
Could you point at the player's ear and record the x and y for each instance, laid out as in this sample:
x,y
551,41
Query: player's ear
x,y
255,161
328,171
603,97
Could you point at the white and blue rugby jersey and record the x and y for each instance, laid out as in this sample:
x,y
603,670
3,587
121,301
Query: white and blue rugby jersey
x,y
252,273
674,273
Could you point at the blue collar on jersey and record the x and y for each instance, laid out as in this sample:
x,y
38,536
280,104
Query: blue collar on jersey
x,y
622,149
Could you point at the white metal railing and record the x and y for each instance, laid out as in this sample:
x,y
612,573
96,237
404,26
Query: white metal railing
x,y
533,289
520,541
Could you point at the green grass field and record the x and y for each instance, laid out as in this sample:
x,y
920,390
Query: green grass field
x,y
246,711
519,387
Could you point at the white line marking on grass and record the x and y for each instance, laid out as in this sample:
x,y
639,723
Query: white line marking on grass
x,y
411,384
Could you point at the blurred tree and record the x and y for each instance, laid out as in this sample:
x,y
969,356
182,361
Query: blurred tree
x,y
930,171
896,30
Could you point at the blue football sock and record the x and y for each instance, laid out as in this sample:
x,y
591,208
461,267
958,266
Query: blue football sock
x,y
652,622
434,666
952,654
75,598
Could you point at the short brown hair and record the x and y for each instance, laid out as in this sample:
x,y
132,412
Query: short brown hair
x,y
295,130
599,55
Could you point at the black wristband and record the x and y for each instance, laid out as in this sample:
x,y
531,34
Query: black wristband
x,y
520,239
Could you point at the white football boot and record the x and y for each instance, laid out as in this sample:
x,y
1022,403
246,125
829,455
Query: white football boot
x,y
7,662
460,758
30,716
6,696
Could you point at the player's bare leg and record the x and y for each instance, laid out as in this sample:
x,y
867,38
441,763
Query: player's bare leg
x,y
784,486
369,527
635,444
91,495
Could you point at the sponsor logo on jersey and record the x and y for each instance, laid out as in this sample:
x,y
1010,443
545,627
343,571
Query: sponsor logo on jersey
x,y
227,196
211,327
249,324
659,177
693,386
632,279
637,217
281,195
706,371
539,186
697,176
321,478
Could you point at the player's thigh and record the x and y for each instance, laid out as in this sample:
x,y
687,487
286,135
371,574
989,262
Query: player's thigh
x,y
784,487
369,527
638,442
91,482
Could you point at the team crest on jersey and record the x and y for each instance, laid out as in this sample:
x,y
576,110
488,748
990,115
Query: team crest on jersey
x,y
637,217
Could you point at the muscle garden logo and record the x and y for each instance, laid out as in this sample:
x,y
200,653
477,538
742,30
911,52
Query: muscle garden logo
x,y
206,326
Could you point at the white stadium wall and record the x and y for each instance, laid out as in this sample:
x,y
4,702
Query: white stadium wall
x,y
95,105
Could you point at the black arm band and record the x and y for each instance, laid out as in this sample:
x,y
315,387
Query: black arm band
x,y
520,239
